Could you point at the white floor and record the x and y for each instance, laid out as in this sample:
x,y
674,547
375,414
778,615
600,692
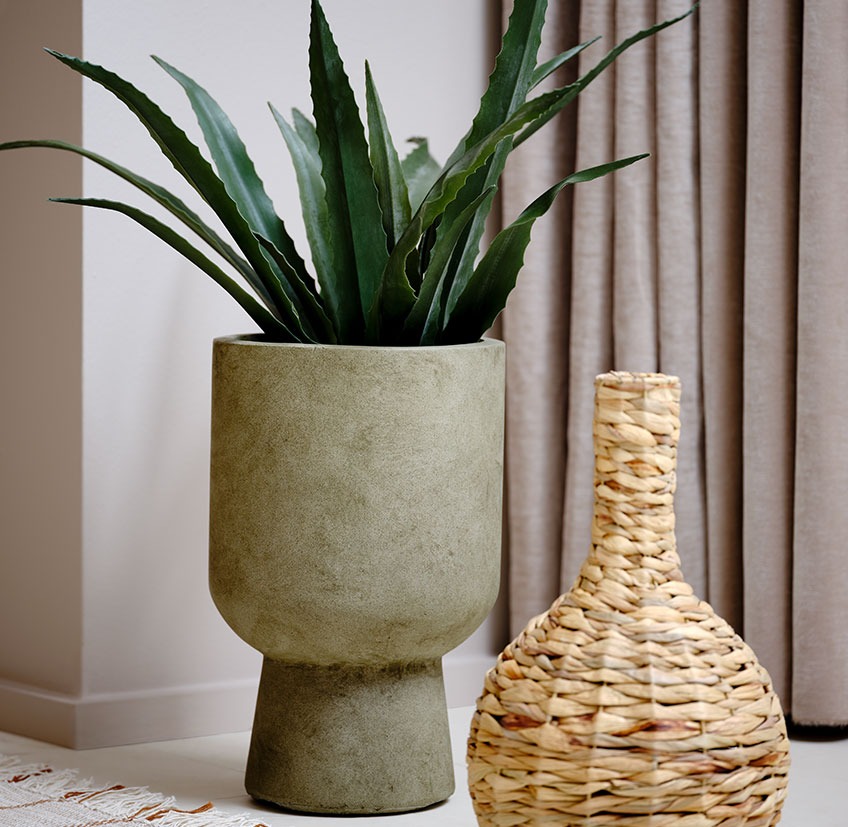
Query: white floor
x,y
197,770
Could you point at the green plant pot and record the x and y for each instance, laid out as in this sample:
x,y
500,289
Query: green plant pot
x,y
354,540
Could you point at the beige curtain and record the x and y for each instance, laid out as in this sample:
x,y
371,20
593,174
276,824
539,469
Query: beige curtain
x,y
722,259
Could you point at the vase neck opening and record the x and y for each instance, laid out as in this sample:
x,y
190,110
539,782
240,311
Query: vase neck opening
x,y
636,430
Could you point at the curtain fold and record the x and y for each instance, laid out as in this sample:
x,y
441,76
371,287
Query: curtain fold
x,y
820,584
770,286
722,124
720,259
590,342
536,365
677,241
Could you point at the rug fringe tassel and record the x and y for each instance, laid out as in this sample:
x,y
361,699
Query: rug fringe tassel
x,y
136,803
38,778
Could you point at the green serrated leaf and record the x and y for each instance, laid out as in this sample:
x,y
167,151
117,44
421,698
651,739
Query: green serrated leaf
x,y
306,132
478,161
510,79
310,304
189,162
487,291
245,187
167,200
396,296
550,66
236,169
272,326
353,208
419,260
388,174
307,166
425,319
570,92
420,170
508,86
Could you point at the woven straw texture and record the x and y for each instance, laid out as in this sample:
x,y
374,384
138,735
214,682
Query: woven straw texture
x,y
629,702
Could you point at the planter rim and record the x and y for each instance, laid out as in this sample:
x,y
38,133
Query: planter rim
x,y
257,340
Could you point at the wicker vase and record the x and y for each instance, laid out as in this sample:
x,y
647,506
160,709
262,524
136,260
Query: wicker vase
x,y
629,702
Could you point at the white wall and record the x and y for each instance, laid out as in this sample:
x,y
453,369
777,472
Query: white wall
x,y
155,659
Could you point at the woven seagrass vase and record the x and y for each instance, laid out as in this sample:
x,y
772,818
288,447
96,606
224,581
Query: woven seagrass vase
x,y
630,702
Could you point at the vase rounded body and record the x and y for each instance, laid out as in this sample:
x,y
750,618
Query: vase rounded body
x,y
355,514
630,702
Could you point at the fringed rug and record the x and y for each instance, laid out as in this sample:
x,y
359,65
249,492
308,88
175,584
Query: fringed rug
x,y
33,795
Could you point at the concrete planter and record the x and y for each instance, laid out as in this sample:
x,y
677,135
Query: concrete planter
x,y
354,540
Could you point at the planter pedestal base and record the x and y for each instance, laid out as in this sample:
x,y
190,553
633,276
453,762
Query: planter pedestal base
x,y
350,739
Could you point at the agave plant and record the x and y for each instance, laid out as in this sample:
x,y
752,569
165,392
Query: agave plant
x,y
395,244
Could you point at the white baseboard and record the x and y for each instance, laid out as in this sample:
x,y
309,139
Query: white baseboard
x,y
128,717
87,722
35,713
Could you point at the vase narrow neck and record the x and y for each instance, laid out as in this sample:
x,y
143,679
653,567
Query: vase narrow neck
x,y
636,430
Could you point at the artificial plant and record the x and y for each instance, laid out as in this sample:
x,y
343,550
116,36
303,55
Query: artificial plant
x,y
395,244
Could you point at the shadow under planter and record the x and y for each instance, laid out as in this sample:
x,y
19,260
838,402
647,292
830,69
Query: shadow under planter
x,y
354,540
